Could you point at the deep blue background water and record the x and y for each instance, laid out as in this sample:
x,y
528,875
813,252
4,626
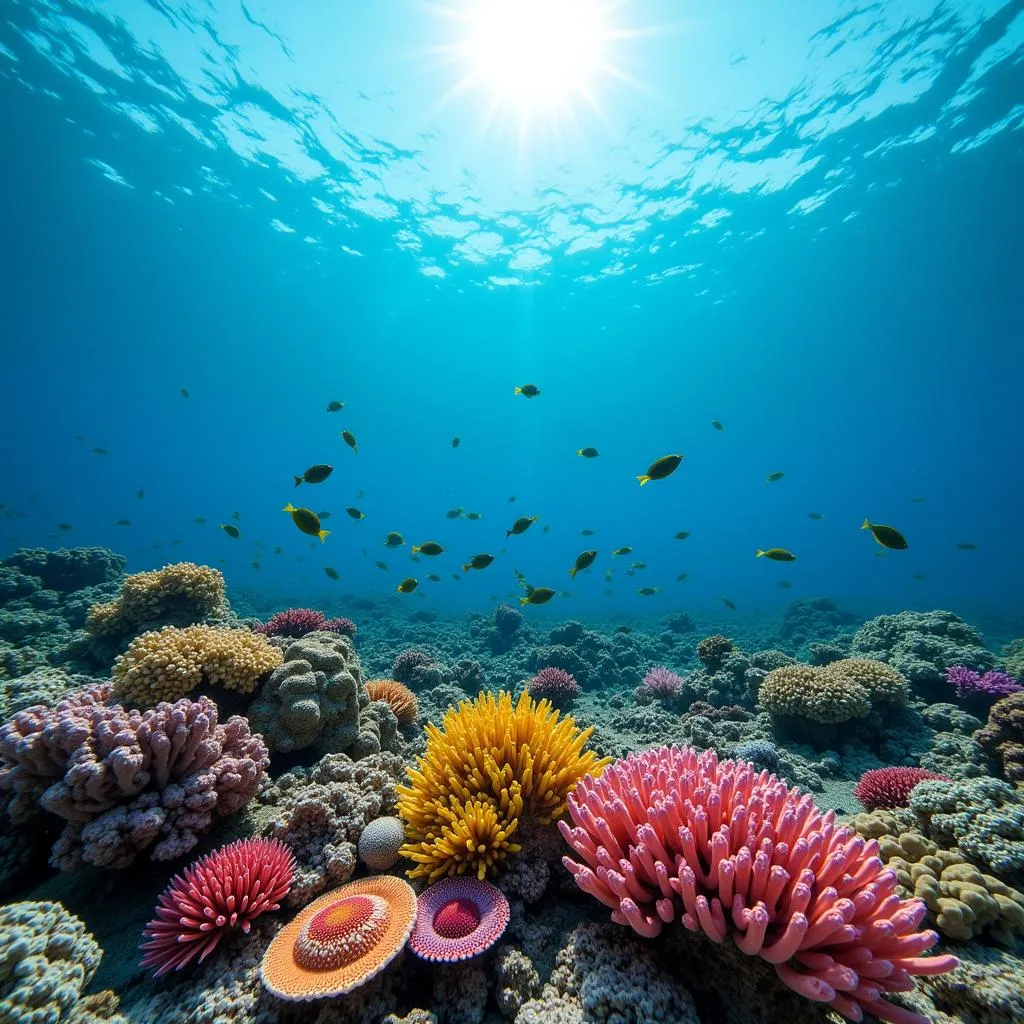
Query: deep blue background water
x,y
806,226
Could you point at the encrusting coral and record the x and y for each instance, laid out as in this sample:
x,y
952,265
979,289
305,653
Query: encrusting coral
x,y
46,958
1003,735
125,781
489,763
169,663
671,833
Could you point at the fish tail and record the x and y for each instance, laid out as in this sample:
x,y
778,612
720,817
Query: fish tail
x,y
415,549
524,600
508,533
323,535
298,480
579,451
865,525
518,391
760,553
288,508
643,479
572,573
466,569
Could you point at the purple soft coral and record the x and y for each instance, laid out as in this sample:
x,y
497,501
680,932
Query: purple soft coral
x,y
662,682
969,683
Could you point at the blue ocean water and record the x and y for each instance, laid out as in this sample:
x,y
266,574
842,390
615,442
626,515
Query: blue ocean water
x,y
801,220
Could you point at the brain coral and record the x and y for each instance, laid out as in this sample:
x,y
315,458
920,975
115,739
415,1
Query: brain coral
x,y
922,645
46,958
380,842
671,833
313,697
803,691
184,591
490,762
168,663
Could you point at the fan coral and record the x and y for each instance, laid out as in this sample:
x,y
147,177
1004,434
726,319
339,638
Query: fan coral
x,y
554,683
168,663
125,780
184,589
969,683
1003,735
890,787
507,619
712,649
457,919
397,696
409,660
491,762
380,842
300,621
340,940
662,682
224,890
672,833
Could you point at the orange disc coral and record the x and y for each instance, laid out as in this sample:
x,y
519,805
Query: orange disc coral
x,y
398,697
340,940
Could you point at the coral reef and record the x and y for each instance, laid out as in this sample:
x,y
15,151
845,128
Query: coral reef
x,y
168,663
967,683
46,958
507,619
672,833
489,763
555,684
813,618
320,813
890,787
1003,736
296,622
227,889
712,650
1013,658
661,683
127,781
313,698
922,645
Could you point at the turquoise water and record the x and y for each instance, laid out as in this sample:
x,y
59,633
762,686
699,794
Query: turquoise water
x,y
803,221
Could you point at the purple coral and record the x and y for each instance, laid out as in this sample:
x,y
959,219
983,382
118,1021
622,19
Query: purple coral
x,y
969,683
554,683
507,619
408,661
300,621
662,683
124,781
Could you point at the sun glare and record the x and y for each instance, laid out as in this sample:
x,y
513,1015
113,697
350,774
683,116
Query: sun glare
x,y
533,60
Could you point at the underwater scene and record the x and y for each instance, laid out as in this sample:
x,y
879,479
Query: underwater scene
x,y
511,512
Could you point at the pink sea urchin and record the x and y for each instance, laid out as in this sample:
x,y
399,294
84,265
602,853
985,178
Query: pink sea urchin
x,y
228,888
458,918
672,833
890,787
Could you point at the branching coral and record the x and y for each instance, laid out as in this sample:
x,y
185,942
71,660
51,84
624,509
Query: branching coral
x,y
168,663
490,762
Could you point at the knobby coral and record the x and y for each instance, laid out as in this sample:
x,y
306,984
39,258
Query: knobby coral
x,y
124,781
489,763
168,663
227,889
672,833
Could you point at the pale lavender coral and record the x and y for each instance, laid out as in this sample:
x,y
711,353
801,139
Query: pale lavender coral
x,y
662,682
555,684
969,683
124,781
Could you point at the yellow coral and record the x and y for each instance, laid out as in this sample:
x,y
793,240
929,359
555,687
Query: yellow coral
x,y
490,763
167,663
149,596
883,683
808,692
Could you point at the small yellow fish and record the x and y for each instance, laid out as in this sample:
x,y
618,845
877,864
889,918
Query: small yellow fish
x,y
683,577
776,554
355,513
622,551
199,519
785,584
538,595
349,438
232,531
480,561
474,515
383,566
717,425
455,442
236,516
431,547
887,536
331,573
434,578
967,546
307,521
394,540
609,575
454,513
335,406
588,453
255,565
584,560
140,494
64,526
408,585
638,565
773,477
521,525
184,392
663,467
647,591
123,522
100,451
682,534
728,604
586,533
528,391
314,475
815,515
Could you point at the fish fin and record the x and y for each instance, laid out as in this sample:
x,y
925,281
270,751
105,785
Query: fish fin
x,y
760,553
323,535
466,569
288,508
865,525
643,479
572,573
298,480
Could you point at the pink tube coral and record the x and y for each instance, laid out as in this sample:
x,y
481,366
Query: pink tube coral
x,y
125,781
671,833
